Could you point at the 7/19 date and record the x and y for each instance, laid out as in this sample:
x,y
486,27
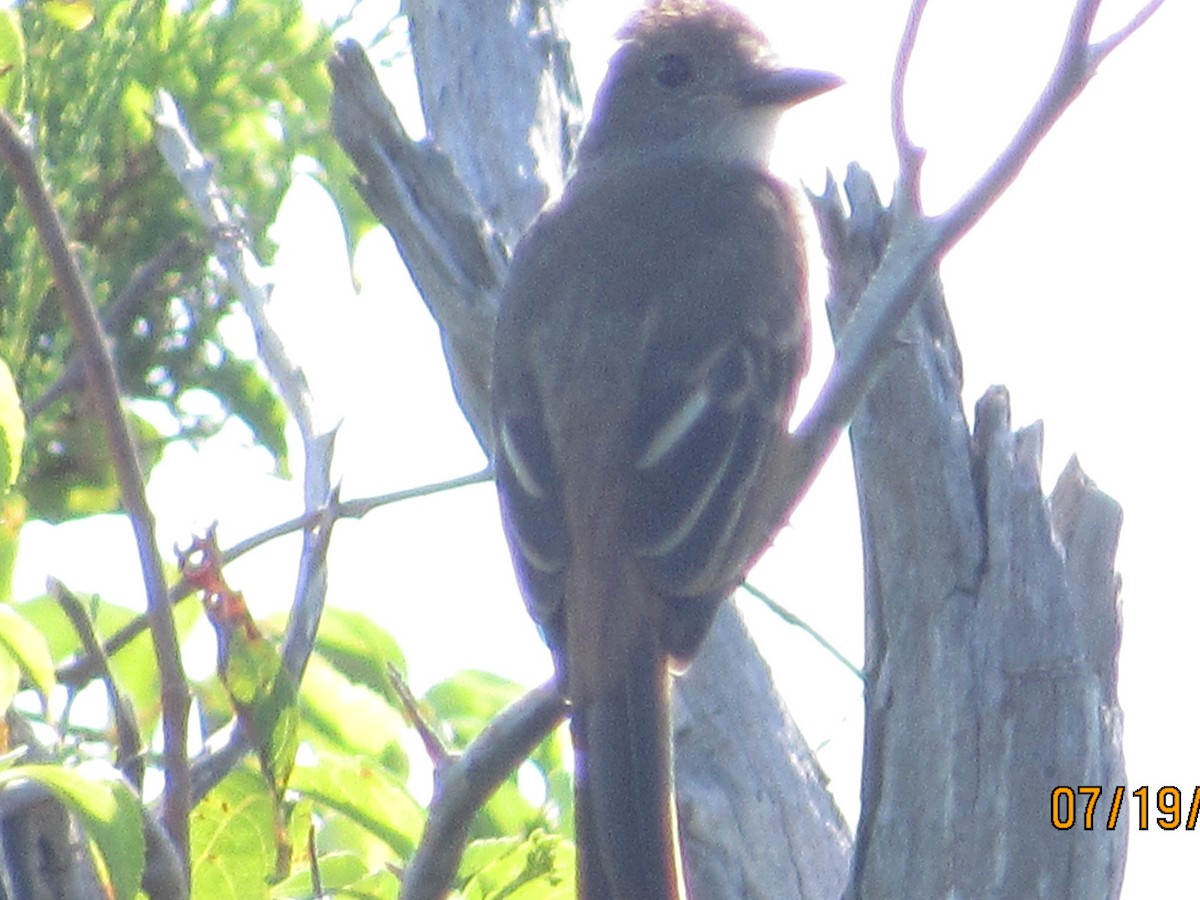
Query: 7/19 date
x,y
1086,805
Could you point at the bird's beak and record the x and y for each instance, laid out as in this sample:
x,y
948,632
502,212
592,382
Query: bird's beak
x,y
786,87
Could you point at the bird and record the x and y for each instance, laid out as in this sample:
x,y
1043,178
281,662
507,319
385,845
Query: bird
x,y
651,334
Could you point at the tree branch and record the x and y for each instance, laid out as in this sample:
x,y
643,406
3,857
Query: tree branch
x,y
249,282
115,317
908,190
1077,63
463,786
916,244
105,391
130,761
78,671
449,248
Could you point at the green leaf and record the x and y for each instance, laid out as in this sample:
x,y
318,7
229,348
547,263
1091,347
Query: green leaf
x,y
249,665
72,474
10,678
344,877
73,14
382,885
110,812
26,646
138,103
234,850
337,869
470,699
351,719
359,648
263,694
12,419
365,792
12,62
541,866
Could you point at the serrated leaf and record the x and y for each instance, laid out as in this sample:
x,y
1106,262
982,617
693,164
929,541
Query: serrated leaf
x,y
111,815
233,843
21,640
12,419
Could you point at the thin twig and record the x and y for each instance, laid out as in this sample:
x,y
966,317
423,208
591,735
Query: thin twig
x,y
435,748
355,509
1075,67
792,619
309,600
909,154
83,668
249,281
106,397
246,274
113,320
1101,49
129,742
314,862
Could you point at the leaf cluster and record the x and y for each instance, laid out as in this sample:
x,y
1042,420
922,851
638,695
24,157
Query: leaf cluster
x,y
349,819
80,78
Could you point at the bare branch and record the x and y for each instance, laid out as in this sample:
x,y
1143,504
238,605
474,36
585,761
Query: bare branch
x,y
1101,49
1076,65
248,279
106,397
129,742
451,252
464,785
435,748
85,667
908,192
115,317
916,244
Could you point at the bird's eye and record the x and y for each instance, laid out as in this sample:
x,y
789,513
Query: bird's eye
x,y
675,70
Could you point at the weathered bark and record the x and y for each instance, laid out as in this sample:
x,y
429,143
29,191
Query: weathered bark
x,y
992,624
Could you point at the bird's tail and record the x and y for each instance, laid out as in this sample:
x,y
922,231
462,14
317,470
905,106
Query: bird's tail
x,y
625,824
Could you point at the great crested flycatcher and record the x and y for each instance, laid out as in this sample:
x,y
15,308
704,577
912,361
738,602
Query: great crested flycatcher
x,y
651,336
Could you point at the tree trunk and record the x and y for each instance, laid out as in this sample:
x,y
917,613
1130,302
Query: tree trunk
x,y
992,625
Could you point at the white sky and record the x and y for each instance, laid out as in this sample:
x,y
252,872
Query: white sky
x,y
1077,291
